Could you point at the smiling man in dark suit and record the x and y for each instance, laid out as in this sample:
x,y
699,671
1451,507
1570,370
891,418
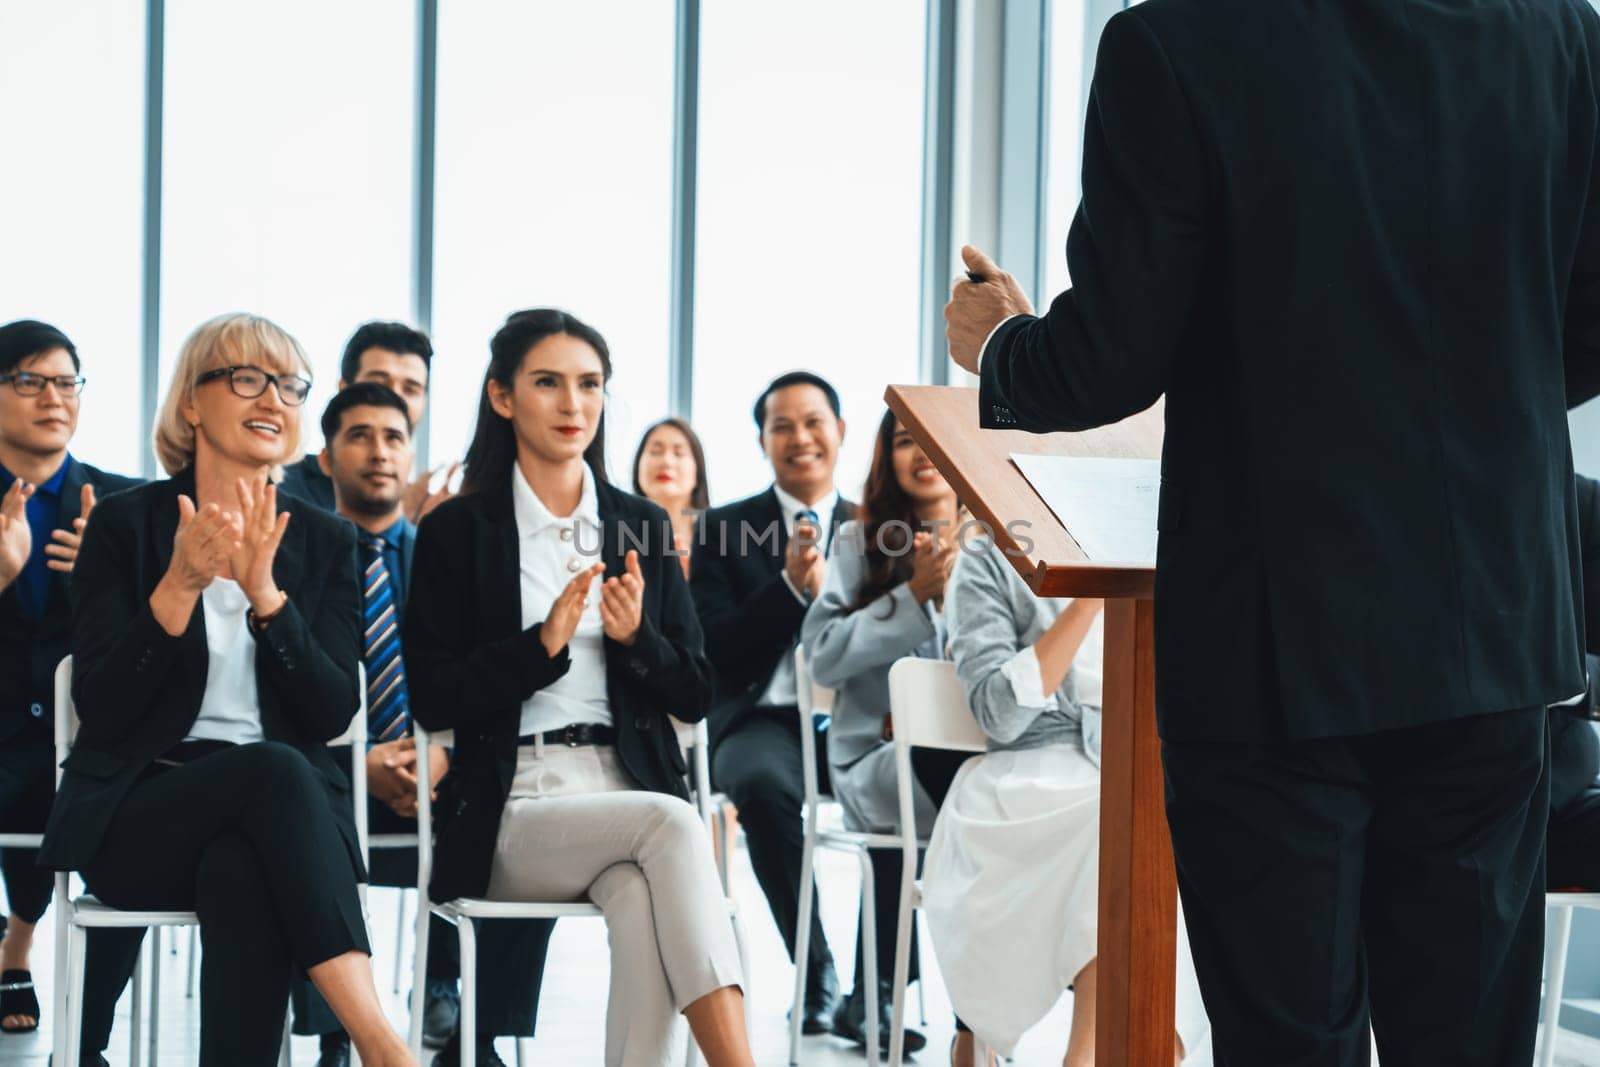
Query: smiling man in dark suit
x,y
752,578
48,495
1356,246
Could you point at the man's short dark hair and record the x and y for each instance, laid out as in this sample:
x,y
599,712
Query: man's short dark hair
x,y
361,394
794,377
27,338
395,336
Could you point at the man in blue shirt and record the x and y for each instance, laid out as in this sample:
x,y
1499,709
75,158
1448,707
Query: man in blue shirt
x,y
47,497
368,453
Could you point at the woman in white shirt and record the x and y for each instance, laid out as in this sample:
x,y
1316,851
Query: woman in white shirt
x,y
549,625
216,638
1011,876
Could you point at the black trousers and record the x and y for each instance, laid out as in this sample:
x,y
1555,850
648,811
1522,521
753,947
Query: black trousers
x,y
511,952
757,763
1394,877
27,786
245,837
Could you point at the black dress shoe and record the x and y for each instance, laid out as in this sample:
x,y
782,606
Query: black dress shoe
x,y
822,995
850,1021
450,1055
441,1014
335,1051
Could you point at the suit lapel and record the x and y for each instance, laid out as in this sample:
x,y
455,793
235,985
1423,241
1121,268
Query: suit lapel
x,y
500,575
769,510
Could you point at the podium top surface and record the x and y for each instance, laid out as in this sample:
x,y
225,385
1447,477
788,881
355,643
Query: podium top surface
x,y
944,421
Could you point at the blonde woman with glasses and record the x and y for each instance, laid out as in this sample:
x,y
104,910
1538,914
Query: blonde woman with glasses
x,y
216,638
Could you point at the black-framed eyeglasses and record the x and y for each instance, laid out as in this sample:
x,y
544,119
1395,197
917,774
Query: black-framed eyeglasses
x,y
247,383
67,385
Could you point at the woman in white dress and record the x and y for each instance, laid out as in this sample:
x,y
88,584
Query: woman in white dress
x,y
1011,877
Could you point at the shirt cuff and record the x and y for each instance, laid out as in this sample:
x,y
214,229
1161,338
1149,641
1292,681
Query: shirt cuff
x,y
1027,685
798,595
986,340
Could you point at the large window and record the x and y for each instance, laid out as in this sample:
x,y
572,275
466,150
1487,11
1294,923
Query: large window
x,y
1064,140
554,189
288,171
809,216
71,215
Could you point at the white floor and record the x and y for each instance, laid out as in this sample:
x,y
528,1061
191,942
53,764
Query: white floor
x,y
573,1003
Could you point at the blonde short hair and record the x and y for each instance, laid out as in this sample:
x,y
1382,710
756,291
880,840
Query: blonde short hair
x,y
226,341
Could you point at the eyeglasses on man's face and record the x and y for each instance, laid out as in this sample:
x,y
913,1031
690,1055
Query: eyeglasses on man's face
x,y
247,383
67,385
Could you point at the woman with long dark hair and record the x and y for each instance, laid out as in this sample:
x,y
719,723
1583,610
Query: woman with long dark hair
x,y
550,626
882,599
670,468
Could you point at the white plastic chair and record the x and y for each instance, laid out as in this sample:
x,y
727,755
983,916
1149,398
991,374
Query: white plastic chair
x,y
813,700
76,916
1555,975
461,912
927,709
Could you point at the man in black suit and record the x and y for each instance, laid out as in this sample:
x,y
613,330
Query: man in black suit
x,y
48,495
1365,580
752,576
400,357
367,432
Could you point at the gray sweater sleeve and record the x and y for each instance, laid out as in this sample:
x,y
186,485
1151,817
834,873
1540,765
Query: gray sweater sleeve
x,y
841,643
992,616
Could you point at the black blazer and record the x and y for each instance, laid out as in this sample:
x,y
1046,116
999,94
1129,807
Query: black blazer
x,y
470,664
750,616
31,649
1351,242
138,689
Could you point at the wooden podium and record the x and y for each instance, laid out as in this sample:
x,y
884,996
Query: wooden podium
x,y
1138,892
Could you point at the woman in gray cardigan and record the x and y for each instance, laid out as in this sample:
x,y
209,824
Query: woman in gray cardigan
x,y
881,601
1010,881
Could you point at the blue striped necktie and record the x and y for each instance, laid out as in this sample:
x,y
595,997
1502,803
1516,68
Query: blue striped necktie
x,y
388,708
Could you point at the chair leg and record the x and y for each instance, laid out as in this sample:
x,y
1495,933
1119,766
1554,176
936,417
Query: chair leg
x,y
469,993
135,1043
902,967
869,949
802,943
524,1052
419,958
63,907
284,1049
155,994
73,980
1555,984
399,936
194,954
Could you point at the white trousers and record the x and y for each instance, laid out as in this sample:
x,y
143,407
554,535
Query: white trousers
x,y
575,827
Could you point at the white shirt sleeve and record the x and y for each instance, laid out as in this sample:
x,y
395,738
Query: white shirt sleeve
x,y
1022,671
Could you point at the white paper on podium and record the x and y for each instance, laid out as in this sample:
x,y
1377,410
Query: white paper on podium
x,y
1107,505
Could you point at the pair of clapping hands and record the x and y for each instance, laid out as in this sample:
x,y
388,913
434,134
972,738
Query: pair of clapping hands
x,y
621,605
16,538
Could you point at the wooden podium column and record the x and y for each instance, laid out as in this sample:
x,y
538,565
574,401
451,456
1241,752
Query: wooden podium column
x,y
1138,899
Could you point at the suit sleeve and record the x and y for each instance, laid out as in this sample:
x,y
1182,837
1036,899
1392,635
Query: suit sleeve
x,y
452,680
744,630
120,654
1105,348
1582,327
667,657
312,662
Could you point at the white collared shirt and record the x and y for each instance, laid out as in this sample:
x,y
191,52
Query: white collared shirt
x,y
230,709
550,550
780,691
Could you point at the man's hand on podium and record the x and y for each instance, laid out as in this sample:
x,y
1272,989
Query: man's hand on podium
x,y
982,300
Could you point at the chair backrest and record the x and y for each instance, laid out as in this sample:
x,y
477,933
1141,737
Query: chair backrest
x,y
928,706
813,700
355,735
66,713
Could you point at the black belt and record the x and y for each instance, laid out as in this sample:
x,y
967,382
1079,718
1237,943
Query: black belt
x,y
189,751
579,733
